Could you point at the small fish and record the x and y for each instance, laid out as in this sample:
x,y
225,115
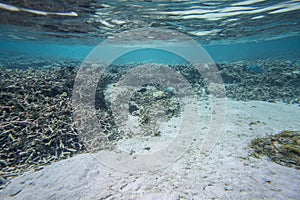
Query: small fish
x,y
256,69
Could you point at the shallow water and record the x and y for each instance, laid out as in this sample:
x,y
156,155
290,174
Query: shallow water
x,y
68,69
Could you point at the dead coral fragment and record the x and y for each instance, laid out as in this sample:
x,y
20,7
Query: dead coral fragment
x,y
283,148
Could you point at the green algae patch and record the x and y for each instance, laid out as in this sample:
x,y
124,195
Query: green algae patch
x,y
282,148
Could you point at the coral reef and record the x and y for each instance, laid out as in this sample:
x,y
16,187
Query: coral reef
x,y
276,83
37,126
282,148
153,105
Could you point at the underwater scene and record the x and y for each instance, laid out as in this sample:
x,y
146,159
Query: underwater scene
x,y
150,99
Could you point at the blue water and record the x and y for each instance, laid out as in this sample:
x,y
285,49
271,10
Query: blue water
x,y
228,30
149,55
282,48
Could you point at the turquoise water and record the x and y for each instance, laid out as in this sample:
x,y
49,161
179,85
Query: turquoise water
x,y
228,30
282,48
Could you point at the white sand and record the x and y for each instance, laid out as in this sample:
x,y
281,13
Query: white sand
x,y
225,173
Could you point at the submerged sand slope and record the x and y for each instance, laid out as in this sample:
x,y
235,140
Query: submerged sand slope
x,y
225,173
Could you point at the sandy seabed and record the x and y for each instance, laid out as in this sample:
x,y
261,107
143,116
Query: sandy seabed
x,y
225,173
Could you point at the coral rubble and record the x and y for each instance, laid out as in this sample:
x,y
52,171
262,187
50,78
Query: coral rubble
x,y
282,148
37,125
